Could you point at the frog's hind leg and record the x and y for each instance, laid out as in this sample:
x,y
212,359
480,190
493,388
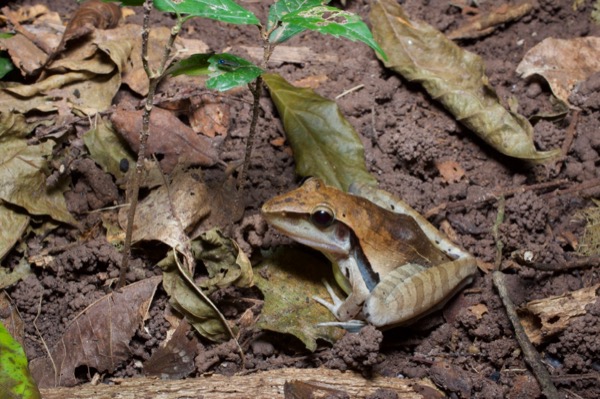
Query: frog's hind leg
x,y
412,291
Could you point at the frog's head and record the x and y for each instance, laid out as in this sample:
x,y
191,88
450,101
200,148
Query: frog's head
x,y
308,214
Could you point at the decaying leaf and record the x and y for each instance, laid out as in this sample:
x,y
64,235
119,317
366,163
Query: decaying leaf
x,y
98,337
590,242
485,23
91,15
174,142
8,278
108,149
18,222
186,194
174,359
454,77
209,115
22,169
226,264
563,63
546,317
324,143
15,379
288,280
290,55
11,319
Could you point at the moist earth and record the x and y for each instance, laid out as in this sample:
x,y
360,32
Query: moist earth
x,y
407,137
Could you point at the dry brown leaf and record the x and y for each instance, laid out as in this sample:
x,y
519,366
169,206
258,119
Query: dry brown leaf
x,y
563,63
91,15
484,24
543,318
98,337
451,171
174,359
174,142
209,115
11,319
153,217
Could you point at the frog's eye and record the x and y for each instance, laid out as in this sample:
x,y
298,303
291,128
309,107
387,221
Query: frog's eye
x,y
322,216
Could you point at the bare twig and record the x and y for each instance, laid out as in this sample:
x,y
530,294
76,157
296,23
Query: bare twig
x,y
154,80
496,234
579,263
570,136
530,354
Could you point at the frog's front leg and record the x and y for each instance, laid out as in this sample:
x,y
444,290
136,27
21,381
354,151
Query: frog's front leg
x,y
412,291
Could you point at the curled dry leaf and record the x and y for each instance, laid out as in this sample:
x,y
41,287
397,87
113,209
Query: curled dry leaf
x,y
453,76
174,359
98,337
175,142
563,63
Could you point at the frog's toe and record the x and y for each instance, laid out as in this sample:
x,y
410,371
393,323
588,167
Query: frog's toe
x,y
333,307
352,326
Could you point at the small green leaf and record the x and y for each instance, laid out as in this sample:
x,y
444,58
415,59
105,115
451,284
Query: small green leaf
x,y
228,71
15,379
5,66
283,7
194,65
220,10
335,22
324,143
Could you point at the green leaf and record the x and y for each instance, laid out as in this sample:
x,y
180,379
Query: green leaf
x,y
283,7
324,143
288,280
6,66
220,10
228,71
335,22
194,65
453,76
15,380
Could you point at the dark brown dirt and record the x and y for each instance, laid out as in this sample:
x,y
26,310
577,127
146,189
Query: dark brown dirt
x,y
405,134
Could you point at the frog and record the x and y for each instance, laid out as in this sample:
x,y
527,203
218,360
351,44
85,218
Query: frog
x,y
393,264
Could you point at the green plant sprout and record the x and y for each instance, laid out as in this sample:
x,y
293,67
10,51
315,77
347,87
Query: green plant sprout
x,y
286,19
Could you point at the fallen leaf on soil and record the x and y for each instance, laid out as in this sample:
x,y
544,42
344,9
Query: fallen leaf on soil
x,y
18,222
209,115
174,359
485,23
22,171
29,13
21,271
546,317
590,241
454,77
451,171
324,143
11,319
98,337
108,149
15,379
186,194
563,63
288,280
172,140
226,264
